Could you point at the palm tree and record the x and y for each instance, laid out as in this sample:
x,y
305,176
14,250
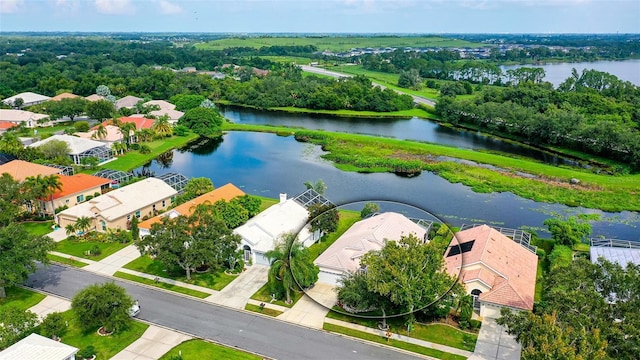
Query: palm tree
x,y
34,190
70,229
291,266
83,224
144,135
51,184
100,133
127,129
161,127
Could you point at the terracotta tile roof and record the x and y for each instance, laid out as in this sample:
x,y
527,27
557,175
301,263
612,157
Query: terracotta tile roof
x,y
6,125
507,267
63,96
225,192
78,183
20,170
141,122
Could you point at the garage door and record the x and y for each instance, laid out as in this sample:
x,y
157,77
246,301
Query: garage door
x,y
490,310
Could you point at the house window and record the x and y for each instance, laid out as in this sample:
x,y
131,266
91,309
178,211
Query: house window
x,y
475,294
164,203
128,217
66,201
103,225
138,214
154,207
80,198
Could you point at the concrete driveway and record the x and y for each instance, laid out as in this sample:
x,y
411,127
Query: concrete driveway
x,y
312,308
495,343
154,343
239,291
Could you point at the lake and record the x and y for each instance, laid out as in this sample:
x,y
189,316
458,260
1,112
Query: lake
x,y
405,129
267,164
556,73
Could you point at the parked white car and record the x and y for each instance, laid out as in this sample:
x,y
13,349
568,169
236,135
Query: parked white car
x,y
135,309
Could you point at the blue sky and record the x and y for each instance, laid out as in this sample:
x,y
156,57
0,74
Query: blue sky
x,y
323,16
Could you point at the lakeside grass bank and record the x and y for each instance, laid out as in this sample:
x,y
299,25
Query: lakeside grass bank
x,y
545,183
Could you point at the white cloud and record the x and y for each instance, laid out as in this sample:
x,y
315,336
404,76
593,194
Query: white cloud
x,y
10,6
66,6
115,7
169,8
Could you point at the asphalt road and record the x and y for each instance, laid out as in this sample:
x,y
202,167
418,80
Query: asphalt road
x,y
255,333
323,71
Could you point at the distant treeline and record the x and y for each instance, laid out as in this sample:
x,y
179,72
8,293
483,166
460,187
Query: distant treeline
x,y
593,112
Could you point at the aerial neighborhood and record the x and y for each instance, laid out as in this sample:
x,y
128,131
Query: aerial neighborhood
x,y
154,213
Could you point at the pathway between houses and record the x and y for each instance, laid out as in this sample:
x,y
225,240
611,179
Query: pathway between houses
x,y
495,343
113,262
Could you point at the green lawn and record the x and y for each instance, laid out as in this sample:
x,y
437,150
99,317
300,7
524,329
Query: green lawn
x,y
263,295
266,310
38,228
21,298
288,59
105,346
347,219
67,260
178,289
134,159
338,43
417,112
215,281
199,349
435,333
266,202
391,342
77,248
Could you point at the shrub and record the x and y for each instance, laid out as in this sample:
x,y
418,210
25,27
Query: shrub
x,y
81,126
541,253
95,250
87,352
89,197
475,324
53,325
560,256
145,149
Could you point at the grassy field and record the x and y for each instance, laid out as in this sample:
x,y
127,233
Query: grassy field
x,y
265,310
162,285
264,296
347,218
216,281
352,113
105,346
342,43
288,59
78,248
134,158
21,298
362,153
38,228
71,261
199,349
392,342
436,333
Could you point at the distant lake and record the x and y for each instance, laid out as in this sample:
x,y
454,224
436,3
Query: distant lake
x,y
267,164
556,73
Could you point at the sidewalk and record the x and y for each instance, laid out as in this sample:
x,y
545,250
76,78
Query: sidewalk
x,y
154,343
115,261
49,305
403,338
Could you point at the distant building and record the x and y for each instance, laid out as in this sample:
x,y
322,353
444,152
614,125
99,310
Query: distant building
x,y
39,347
63,96
21,117
128,102
20,170
28,99
81,148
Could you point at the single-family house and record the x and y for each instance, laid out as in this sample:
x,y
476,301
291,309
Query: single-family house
x,y
261,233
622,252
370,234
128,102
37,346
28,99
162,104
226,192
21,117
114,210
81,148
94,97
140,121
4,126
76,189
112,135
496,270
174,115
65,95
20,170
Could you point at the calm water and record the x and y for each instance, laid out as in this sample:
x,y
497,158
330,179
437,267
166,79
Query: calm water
x,y
267,164
628,70
405,129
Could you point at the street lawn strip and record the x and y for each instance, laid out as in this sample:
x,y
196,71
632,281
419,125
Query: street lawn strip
x,y
392,342
71,261
366,154
105,346
78,248
436,333
264,296
265,310
134,158
347,219
21,298
162,285
338,43
38,227
197,349
215,281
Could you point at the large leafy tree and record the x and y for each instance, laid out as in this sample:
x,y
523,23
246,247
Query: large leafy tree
x,y
355,296
410,273
106,305
593,306
568,232
56,150
324,218
291,266
190,241
100,110
15,324
197,186
202,121
250,203
13,195
70,107
184,102
19,253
